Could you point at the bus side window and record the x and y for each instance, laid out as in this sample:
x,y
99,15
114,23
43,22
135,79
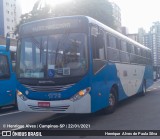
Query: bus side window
x,y
13,59
133,56
124,55
136,50
112,41
113,48
144,56
129,49
150,57
98,43
4,67
123,46
118,43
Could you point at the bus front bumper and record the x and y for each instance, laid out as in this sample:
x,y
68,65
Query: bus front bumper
x,y
82,105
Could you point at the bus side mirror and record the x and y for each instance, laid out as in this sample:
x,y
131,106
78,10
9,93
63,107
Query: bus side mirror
x,y
7,42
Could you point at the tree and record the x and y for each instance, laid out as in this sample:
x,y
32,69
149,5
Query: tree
x,y
100,10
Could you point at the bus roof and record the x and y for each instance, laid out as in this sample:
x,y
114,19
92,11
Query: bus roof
x,y
90,20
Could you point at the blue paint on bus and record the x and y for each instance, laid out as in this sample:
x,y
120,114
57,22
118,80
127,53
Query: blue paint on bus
x,y
7,79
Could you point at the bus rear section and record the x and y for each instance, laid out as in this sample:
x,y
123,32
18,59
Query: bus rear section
x,y
7,79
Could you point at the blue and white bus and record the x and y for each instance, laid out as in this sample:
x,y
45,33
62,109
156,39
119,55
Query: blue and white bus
x,y
78,65
7,76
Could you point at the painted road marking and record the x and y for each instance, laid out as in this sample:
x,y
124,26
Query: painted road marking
x,y
10,113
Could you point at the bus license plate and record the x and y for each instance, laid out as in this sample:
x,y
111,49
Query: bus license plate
x,y
44,104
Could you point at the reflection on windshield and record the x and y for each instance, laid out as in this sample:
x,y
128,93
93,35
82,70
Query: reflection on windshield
x,y
53,56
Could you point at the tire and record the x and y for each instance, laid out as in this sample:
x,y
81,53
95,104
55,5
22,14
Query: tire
x,y
112,102
143,93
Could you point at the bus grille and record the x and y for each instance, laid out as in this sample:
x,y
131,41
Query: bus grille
x,y
56,109
48,88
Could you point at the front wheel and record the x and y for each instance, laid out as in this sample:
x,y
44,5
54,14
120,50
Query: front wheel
x,y
112,102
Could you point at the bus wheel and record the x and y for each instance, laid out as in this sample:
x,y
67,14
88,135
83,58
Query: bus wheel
x,y
143,89
112,102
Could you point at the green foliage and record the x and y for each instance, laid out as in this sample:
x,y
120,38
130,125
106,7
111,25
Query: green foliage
x,y
100,10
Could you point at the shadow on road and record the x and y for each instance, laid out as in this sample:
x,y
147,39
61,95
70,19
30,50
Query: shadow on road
x,y
7,109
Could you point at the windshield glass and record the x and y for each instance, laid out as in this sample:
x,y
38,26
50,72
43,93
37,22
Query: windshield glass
x,y
53,56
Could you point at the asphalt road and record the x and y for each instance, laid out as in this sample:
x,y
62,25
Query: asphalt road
x,y
135,113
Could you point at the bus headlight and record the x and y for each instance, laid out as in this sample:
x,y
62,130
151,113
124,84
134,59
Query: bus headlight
x,y
20,94
80,94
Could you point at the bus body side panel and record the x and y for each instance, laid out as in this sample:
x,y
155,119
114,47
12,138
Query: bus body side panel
x,y
131,77
8,86
7,91
102,83
128,78
148,76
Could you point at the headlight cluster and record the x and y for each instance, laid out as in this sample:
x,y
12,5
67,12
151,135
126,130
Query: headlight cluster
x,y
80,94
20,94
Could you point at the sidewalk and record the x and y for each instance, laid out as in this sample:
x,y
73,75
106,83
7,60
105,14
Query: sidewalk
x,y
155,85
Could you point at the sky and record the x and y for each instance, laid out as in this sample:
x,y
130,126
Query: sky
x,y
134,13
139,13
27,5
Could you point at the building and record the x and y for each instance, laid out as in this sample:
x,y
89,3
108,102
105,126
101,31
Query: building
x,y
10,12
124,31
133,36
13,42
152,41
141,34
116,13
154,35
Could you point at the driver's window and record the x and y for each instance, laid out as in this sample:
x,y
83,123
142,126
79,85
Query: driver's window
x,y
98,49
99,46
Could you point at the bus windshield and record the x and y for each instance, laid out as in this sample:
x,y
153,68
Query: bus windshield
x,y
53,56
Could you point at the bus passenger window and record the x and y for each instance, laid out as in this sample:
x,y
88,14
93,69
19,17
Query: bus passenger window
x,y
112,42
136,50
118,44
132,49
13,59
123,46
129,48
98,44
4,67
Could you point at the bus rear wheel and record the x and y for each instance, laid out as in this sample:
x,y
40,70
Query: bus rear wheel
x,y
112,102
